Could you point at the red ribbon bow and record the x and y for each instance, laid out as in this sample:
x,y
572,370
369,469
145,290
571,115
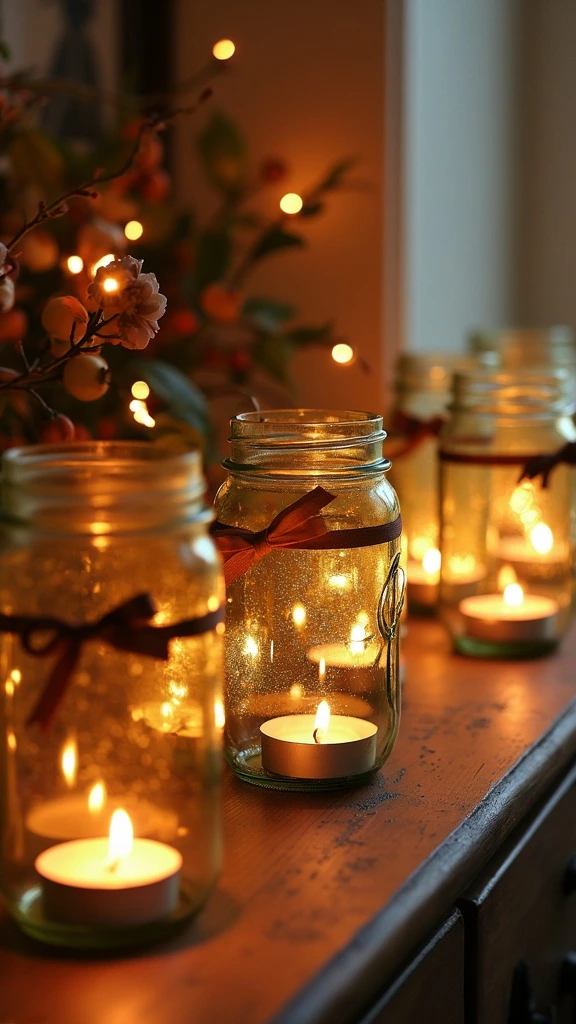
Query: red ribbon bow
x,y
126,628
298,526
542,465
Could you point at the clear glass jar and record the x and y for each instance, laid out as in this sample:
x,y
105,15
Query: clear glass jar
x,y
507,544
423,389
517,349
307,626
86,528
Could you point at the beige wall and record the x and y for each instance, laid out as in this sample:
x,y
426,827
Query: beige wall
x,y
308,83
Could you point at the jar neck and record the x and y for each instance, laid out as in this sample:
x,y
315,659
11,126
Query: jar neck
x,y
306,442
519,347
101,487
423,383
519,396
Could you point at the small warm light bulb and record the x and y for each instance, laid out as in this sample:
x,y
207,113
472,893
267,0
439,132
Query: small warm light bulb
x,y
121,838
223,49
133,230
513,595
291,203
97,798
506,576
299,615
321,722
140,390
110,284
11,740
69,761
75,264
141,414
16,676
219,715
343,354
542,538
432,561
103,262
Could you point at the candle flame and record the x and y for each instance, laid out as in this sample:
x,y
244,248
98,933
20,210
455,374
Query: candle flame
x,y
513,595
339,580
542,538
121,839
97,798
219,715
322,670
506,575
432,561
69,761
419,546
299,614
322,720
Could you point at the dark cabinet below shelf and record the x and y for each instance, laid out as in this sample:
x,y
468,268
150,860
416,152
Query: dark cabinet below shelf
x,y
431,988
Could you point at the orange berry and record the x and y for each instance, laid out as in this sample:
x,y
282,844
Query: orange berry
x,y
85,377
60,315
13,325
39,252
221,303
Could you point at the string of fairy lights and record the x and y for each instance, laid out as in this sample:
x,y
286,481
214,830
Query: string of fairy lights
x,y
291,204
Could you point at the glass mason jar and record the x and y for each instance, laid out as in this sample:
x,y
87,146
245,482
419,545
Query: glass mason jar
x,y
507,543
307,627
124,740
423,388
517,349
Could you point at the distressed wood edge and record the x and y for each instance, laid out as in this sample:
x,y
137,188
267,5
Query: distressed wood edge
x,y
344,987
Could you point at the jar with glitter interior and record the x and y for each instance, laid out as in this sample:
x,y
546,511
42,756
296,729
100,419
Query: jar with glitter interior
x,y
507,539
310,625
135,737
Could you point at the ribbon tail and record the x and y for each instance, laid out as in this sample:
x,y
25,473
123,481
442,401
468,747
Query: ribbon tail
x,y
296,515
47,704
237,564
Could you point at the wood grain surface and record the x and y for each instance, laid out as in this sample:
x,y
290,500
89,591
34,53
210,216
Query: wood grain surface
x,y
324,897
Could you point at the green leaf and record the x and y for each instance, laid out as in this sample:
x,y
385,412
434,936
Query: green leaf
x,y
213,257
273,354
310,335
184,400
267,314
223,153
335,175
36,161
311,209
273,240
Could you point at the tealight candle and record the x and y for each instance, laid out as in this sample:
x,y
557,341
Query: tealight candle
x,y
318,747
509,617
118,882
423,579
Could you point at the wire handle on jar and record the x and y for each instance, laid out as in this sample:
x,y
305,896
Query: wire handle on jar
x,y
389,610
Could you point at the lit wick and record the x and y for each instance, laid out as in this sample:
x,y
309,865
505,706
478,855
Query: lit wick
x,y
321,722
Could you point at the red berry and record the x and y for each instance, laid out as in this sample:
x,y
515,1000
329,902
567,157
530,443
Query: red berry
x,y
272,170
59,428
13,325
182,321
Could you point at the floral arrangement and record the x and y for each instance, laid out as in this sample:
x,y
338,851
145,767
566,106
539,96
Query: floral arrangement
x,y
69,291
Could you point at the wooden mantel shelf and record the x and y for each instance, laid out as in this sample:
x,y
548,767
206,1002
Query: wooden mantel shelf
x,y
324,897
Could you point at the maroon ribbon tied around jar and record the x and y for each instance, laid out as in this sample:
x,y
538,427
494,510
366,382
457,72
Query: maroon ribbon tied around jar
x,y
126,628
300,527
408,433
533,466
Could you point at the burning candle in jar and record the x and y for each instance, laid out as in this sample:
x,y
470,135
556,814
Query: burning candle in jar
x,y
532,552
119,881
510,616
423,579
321,746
